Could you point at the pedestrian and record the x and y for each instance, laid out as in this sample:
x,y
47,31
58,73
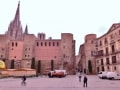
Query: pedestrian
x,y
80,76
85,79
24,80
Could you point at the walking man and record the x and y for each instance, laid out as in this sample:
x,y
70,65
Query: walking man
x,y
85,81
24,80
80,76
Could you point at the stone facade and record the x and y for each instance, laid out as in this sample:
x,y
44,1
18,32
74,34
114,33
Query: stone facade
x,y
21,47
104,51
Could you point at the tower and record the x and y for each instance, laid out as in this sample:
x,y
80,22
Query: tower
x,y
68,52
15,28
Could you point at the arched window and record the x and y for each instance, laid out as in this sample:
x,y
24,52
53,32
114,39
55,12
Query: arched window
x,y
16,44
37,43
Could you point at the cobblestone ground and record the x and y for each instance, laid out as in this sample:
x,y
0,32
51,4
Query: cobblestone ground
x,y
68,83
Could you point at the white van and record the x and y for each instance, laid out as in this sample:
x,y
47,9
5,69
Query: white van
x,y
57,73
113,75
102,74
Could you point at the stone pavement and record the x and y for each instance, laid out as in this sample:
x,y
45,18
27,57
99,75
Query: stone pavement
x,y
70,82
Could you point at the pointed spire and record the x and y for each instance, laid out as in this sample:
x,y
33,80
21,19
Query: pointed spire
x,y
17,15
26,30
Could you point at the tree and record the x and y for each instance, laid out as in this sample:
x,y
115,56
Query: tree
x,y
33,63
12,64
52,65
39,67
89,66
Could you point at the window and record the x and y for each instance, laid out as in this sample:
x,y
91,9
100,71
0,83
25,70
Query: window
x,y
92,42
114,59
96,44
115,68
53,44
54,56
106,49
57,43
103,68
64,55
12,44
106,41
101,61
25,49
113,48
100,43
16,44
37,43
41,44
107,61
100,53
2,49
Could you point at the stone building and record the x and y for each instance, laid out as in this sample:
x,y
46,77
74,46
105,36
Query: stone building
x,y
20,48
104,51
86,51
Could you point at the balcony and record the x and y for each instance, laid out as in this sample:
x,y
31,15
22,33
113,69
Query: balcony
x,y
107,54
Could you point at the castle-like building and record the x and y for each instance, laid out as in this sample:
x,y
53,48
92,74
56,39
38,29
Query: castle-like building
x,y
102,53
21,50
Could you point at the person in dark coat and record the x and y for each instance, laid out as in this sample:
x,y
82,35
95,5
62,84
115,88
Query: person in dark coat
x,y
85,79
24,80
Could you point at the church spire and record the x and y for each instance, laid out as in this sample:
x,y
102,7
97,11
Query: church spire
x,y
15,27
26,30
17,15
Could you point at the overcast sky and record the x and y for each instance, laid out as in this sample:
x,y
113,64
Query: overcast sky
x,y
53,17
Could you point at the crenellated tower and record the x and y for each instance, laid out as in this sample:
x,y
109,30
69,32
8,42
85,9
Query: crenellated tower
x,y
15,28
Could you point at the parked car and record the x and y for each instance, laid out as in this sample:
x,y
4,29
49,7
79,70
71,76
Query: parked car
x,y
57,73
113,75
102,74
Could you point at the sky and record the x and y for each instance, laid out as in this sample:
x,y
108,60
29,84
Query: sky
x,y
53,17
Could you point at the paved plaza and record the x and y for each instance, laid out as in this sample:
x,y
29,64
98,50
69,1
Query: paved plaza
x,y
70,82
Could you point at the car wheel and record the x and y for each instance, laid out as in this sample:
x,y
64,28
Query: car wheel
x,y
112,78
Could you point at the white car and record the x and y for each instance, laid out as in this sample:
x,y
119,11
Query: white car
x,y
113,75
57,73
102,74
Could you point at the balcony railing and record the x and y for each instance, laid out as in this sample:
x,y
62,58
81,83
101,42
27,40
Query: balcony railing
x,y
107,54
